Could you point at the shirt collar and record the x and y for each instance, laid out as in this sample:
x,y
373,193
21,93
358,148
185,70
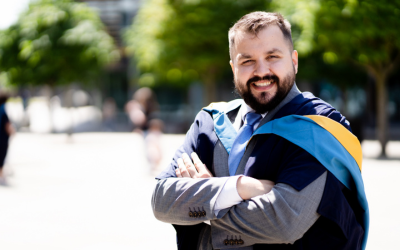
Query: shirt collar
x,y
244,109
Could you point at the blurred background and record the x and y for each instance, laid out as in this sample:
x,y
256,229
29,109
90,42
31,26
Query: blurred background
x,y
81,76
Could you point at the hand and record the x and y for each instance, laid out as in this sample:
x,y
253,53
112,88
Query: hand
x,y
9,129
249,187
187,169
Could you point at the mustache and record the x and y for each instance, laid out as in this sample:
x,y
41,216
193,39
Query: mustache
x,y
266,77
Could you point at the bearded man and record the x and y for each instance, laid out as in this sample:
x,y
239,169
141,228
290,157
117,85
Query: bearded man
x,y
278,169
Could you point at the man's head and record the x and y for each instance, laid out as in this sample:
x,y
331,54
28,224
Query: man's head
x,y
263,61
3,97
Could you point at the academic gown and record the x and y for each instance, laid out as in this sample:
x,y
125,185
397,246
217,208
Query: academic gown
x,y
275,158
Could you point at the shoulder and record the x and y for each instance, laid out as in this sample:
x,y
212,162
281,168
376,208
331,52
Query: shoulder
x,y
216,109
307,104
3,114
203,119
223,107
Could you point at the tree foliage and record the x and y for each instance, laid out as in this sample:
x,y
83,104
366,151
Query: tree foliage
x,y
178,41
362,33
55,42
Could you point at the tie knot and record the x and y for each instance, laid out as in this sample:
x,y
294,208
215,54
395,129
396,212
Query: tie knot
x,y
252,118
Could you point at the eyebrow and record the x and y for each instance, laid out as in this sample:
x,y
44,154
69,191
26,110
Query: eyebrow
x,y
272,51
244,56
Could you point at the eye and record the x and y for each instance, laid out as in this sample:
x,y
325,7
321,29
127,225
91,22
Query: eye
x,y
272,57
247,62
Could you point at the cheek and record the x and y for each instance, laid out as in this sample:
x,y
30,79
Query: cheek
x,y
281,68
243,73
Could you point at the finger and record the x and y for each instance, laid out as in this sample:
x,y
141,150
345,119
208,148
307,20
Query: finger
x,y
178,173
180,163
197,163
189,165
201,167
271,183
182,168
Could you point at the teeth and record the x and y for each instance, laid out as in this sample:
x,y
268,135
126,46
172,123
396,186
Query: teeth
x,y
263,83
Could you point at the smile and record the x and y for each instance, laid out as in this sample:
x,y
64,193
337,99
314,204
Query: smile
x,y
263,83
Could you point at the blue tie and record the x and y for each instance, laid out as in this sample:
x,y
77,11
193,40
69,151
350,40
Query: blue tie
x,y
239,145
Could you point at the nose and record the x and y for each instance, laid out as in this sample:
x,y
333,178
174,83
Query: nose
x,y
262,68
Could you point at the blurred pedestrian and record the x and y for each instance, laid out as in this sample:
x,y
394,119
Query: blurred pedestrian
x,y
141,108
136,115
153,144
6,130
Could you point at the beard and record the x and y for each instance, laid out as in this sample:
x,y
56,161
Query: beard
x,y
265,102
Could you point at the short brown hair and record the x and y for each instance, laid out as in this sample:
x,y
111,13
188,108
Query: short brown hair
x,y
254,22
3,97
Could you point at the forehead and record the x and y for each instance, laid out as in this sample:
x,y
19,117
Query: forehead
x,y
268,38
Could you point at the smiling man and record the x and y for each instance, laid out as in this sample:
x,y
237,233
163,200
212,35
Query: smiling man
x,y
278,169
264,65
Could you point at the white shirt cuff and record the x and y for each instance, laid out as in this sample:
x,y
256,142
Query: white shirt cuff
x,y
229,195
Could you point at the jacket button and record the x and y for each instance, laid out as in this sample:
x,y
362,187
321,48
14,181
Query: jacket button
x,y
226,242
190,213
202,213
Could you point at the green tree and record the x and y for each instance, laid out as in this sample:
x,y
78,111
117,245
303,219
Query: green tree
x,y
55,42
179,41
362,33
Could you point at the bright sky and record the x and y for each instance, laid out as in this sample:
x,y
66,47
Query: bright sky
x,y
10,10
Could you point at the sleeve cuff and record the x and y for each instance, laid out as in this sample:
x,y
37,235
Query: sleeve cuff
x,y
229,195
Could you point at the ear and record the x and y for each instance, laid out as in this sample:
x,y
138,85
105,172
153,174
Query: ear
x,y
295,60
232,66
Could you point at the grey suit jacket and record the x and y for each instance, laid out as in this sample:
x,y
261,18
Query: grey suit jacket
x,y
281,216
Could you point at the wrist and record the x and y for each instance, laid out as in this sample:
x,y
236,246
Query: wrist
x,y
239,187
248,187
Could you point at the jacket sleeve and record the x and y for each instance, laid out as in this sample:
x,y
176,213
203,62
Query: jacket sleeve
x,y
175,198
281,216
200,138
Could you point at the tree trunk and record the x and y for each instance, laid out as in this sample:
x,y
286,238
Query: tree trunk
x,y
382,114
70,105
49,95
210,93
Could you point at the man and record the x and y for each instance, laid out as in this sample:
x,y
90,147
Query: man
x,y
6,130
293,183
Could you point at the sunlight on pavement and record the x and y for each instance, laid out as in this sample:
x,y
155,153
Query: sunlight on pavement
x,y
93,191
89,192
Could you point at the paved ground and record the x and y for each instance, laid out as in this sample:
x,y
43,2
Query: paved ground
x,y
93,193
